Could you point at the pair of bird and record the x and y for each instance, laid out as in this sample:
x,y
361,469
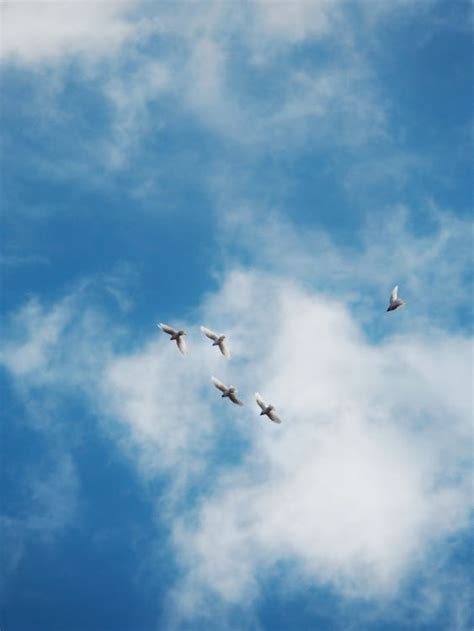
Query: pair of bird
x,y
178,337
231,393
227,392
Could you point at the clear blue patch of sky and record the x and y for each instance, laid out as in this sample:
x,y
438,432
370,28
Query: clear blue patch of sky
x,y
423,63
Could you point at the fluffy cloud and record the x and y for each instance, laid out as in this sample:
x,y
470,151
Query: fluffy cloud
x,y
370,467
37,31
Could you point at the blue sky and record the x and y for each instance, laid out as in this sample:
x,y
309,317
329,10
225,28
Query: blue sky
x,y
270,170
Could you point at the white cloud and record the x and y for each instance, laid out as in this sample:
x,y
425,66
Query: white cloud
x,y
40,330
130,98
157,395
36,31
242,81
371,466
230,65
295,20
368,469
430,267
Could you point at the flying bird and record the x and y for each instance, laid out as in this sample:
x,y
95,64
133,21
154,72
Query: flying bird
x,y
218,340
267,410
395,301
178,336
230,393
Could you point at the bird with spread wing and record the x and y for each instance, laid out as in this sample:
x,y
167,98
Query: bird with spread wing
x,y
218,340
267,410
227,392
177,336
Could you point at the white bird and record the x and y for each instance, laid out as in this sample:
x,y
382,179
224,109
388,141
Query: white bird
x,y
218,340
268,410
230,392
175,335
395,301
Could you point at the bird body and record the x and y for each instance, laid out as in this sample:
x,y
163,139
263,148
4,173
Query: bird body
x,y
227,392
176,336
267,410
395,301
217,340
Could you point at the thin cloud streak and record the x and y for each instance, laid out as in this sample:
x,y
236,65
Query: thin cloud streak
x,y
206,56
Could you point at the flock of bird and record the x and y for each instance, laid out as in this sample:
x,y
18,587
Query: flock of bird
x,y
230,392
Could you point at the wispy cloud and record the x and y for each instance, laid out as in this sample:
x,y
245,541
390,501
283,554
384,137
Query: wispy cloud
x,y
237,69
261,83
13,259
47,495
370,468
431,265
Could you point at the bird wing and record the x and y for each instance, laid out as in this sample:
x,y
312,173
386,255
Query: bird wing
x,y
234,399
224,350
166,328
219,385
210,334
260,401
274,417
394,294
181,344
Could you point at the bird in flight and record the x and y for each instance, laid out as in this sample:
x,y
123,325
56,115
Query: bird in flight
x,y
230,392
177,336
395,301
267,410
218,340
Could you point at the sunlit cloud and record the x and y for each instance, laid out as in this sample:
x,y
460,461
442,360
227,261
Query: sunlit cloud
x,y
370,467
